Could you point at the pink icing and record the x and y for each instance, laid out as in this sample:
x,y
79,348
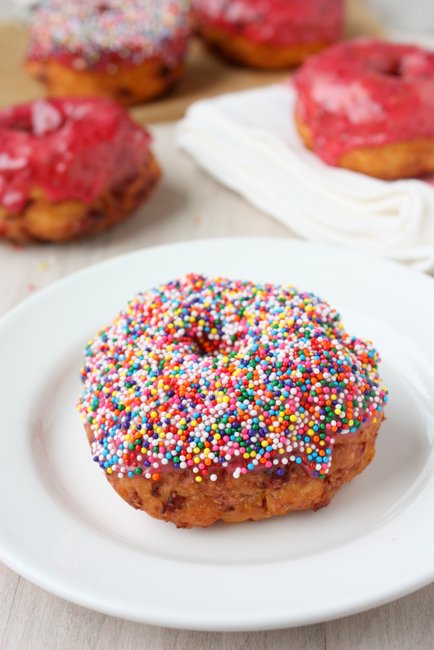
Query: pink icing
x,y
70,148
275,22
365,93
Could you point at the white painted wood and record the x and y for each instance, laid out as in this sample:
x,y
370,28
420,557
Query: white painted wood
x,y
8,587
405,624
188,205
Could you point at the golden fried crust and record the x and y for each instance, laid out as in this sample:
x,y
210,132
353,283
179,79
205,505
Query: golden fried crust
x,y
257,495
130,84
241,50
43,220
388,161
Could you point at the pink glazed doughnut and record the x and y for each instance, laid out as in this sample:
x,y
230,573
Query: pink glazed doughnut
x,y
70,168
367,105
268,34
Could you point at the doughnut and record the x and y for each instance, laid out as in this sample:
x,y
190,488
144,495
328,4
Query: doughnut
x,y
132,52
70,168
367,105
214,399
268,34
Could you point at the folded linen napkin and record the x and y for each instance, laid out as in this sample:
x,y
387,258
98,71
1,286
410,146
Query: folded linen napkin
x,y
248,141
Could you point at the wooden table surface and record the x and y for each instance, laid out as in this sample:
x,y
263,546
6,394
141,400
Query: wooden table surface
x,y
187,205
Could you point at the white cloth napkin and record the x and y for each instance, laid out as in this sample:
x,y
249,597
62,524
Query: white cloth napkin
x,y
248,141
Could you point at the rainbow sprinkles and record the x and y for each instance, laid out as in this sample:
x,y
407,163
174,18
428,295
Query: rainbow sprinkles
x,y
209,374
95,33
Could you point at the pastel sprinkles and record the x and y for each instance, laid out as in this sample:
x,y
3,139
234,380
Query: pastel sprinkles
x,y
204,374
89,29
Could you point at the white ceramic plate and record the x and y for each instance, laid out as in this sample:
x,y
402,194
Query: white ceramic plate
x,y
64,528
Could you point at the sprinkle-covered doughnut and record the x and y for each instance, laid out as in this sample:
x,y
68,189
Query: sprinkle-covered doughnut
x,y
204,375
91,33
126,49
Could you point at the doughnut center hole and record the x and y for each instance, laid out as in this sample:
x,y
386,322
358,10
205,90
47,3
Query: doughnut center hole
x,y
201,347
396,71
391,69
19,121
207,347
21,127
212,346
38,119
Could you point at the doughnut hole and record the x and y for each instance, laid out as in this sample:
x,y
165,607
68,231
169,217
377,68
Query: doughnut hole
x,y
410,66
215,338
37,118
